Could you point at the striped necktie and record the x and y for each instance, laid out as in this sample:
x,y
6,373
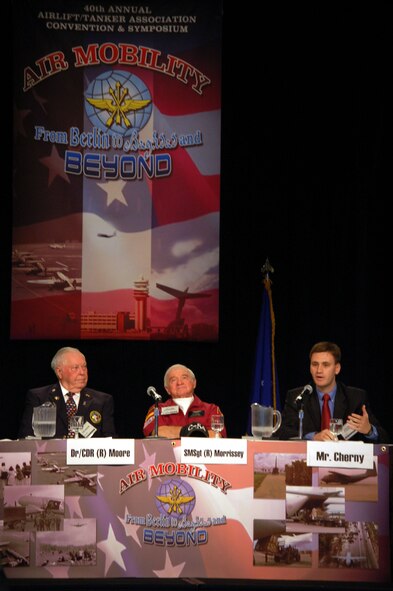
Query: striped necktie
x,y
325,412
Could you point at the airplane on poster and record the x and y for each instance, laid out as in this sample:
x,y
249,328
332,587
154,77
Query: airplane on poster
x,y
4,544
182,296
9,557
349,560
20,256
40,268
28,268
42,462
103,235
22,260
342,478
36,269
299,497
88,481
35,504
62,281
54,468
264,528
57,245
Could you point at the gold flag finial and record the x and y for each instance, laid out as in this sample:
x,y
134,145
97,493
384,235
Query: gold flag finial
x,y
266,269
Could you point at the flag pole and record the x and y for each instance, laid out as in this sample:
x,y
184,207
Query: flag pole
x,y
266,270
264,389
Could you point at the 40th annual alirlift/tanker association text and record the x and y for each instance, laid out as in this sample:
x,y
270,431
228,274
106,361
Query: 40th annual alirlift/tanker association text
x,y
134,19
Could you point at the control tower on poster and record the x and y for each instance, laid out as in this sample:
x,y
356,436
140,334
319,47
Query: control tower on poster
x,y
141,293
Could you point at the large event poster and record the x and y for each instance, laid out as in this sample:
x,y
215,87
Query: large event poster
x,y
116,173
247,512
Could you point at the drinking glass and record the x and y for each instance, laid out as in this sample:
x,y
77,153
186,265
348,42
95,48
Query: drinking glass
x,y
76,423
217,424
335,427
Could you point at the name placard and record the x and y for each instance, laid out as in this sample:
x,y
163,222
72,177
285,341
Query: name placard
x,y
101,451
340,454
213,451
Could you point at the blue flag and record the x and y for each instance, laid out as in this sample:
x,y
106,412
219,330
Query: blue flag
x,y
265,384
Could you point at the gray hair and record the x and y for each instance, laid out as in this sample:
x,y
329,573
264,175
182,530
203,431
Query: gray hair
x,y
58,357
178,366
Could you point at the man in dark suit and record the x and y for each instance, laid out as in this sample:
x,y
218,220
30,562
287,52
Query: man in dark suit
x,y
344,402
70,367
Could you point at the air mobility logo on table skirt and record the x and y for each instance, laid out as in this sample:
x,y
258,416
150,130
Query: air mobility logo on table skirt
x,y
174,501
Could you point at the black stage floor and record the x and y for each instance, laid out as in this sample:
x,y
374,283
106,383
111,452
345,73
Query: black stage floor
x,y
183,585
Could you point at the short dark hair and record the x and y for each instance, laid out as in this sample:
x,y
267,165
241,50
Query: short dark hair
x,y
327,347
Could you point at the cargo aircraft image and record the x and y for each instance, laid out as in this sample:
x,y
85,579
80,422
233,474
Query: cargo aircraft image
x,y
177,325
9,557
270,527
299,497
88,481
348,560
342,478
265,528
182,296
35,504
62,281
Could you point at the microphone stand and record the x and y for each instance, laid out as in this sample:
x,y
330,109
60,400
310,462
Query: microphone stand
x,y
156,415
301,417
299,401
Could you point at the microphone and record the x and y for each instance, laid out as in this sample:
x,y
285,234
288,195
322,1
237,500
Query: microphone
x,y
153,393
306,390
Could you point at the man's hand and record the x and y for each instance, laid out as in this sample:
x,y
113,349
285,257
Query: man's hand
x,y
324,435
360,422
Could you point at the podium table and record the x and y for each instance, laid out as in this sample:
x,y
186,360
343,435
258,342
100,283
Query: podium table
x,y
263,515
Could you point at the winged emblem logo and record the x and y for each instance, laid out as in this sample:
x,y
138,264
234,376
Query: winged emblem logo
x,y
175,499
118,105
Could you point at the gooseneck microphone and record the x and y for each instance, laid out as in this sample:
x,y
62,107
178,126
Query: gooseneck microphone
x,y
153,393
306,390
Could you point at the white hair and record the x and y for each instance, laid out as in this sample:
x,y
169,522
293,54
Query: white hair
x,y
178,366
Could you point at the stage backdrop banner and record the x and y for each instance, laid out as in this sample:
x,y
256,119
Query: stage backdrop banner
x,y
116,195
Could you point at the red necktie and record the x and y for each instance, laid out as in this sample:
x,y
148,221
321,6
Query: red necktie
x,y
71,410
325,412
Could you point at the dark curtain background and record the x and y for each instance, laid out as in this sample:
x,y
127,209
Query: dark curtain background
x,y
306,136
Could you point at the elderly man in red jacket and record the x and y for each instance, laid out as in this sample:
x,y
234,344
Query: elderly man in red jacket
x,y
182,408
